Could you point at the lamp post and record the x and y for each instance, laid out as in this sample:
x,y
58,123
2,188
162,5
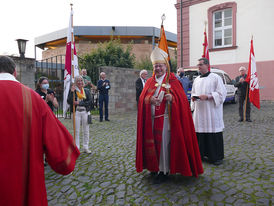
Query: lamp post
x,y
22,47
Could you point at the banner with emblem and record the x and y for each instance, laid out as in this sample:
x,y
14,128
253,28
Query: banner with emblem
x,y
252,79
71,63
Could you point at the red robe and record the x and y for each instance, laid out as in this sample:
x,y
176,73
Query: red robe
x,y
28,129
184,150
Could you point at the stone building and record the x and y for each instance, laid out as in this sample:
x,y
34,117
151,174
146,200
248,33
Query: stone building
x,y
230,27
142,39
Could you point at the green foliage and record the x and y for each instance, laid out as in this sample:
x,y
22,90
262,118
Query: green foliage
x,y
173,65
111,53
144,63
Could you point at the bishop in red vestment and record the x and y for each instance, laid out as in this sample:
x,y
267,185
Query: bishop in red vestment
x,y
166,138
28,129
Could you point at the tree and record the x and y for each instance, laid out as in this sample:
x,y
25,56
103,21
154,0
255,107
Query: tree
x,y
144,63
111,53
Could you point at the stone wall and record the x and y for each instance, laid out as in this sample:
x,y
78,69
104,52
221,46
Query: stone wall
x,y
25,69
122,95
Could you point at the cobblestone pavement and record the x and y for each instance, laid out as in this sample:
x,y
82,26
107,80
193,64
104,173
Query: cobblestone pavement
x,y
107,176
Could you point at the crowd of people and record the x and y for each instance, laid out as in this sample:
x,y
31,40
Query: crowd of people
x,y
172,136
166,129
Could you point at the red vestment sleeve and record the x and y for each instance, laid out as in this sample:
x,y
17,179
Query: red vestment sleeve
x,y
28,130
61,152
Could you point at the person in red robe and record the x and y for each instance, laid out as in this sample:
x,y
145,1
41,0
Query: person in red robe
x,y
28,129
166,138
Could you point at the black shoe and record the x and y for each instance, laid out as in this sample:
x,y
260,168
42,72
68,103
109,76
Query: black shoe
x,y
160,178
249,120
101,120
204,159
107,120
153,174
218,162
240,120
45,162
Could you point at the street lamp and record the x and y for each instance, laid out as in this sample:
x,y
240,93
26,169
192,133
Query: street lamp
x,y
22,47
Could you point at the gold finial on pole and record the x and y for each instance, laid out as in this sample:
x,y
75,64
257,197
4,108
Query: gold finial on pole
x,y
163,17
205,22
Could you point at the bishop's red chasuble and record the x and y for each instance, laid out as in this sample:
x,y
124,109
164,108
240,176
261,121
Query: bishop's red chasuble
x,y
184,151
28,129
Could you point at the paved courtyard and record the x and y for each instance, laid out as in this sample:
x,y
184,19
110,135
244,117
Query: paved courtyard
x,y
107,176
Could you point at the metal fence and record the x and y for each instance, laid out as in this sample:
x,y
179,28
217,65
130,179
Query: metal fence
x,y
53,69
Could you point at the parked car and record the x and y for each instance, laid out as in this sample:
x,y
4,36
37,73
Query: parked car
x,y
232,95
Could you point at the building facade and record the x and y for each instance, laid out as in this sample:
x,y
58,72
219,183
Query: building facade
x,y
87,38
230,25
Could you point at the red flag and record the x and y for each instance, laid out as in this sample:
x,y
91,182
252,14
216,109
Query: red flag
x,y
252,79
70,61
205,50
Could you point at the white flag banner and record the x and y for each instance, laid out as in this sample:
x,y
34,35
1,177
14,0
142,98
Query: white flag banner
x,y
70,46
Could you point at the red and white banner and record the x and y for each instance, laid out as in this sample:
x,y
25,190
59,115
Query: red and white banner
x,y
252,79
205,50
71,63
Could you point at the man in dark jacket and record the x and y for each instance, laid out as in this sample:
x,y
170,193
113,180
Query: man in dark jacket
x,y
103,86
140,83
243,92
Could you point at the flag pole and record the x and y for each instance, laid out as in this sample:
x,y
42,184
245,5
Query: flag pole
x,y
204,51
247,87
72,71
245,101
205,25
161,33
168,71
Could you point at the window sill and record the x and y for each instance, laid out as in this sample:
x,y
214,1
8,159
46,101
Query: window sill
x,y
223,48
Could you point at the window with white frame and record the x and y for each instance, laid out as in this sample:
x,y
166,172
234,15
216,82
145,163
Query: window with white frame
x,y
222,28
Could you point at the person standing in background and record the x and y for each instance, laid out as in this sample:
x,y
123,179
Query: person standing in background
x,y
87,80
82,107
140,83
243,92
103,86
183,79
47,94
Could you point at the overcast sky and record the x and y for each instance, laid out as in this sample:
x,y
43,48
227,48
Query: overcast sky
x,y
28,19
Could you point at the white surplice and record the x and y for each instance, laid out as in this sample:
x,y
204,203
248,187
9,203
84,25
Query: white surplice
x,y
208,114
165,146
